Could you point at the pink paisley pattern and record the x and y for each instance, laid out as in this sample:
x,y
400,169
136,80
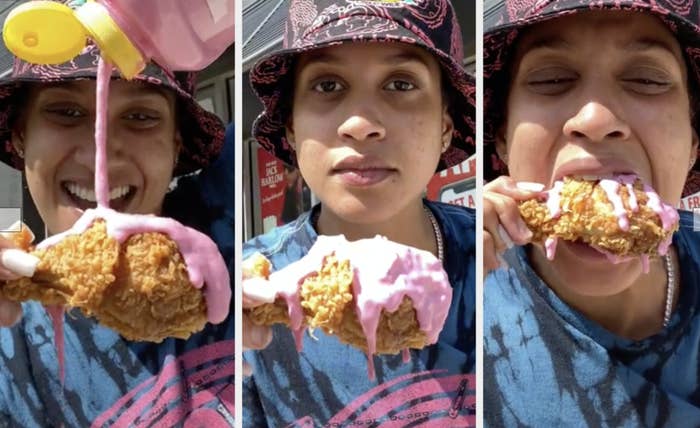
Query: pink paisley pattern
x,y
203,131
681,16
318,23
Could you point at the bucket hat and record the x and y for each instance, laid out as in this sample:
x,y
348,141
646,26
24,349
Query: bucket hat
x,y
315,24
512,16
202,131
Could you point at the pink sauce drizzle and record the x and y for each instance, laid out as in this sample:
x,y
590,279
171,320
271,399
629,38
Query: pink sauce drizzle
x,y
56,314
667,214
550,245
385,272
554,199
202,257
612,189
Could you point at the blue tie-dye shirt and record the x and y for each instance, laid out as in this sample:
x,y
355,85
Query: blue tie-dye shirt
x,y
113,382
326,384
546,365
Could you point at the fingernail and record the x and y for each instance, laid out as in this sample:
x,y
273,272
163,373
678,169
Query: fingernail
x,y
505,237
525,232
259,289
19,262
530,186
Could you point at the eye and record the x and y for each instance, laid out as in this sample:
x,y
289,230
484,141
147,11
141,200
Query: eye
x,y
400,85
550,80
326,86
67,112
647,85
141,117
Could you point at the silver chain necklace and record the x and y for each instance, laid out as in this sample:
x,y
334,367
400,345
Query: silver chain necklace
x,y
436,231
670,289
431,217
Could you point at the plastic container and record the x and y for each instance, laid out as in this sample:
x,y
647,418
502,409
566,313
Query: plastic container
x,y
176,34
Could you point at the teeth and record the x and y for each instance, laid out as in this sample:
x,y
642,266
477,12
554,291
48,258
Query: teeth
x,y
89,194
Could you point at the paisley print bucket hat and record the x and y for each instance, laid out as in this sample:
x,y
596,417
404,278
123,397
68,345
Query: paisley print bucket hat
x,y
504,26
314,24
202,132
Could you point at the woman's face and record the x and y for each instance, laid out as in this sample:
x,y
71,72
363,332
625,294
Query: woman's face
x,y
368,124
56,133
593,94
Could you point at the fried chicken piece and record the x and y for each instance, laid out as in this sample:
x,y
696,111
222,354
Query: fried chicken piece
x,y
619,215
140,288
329,298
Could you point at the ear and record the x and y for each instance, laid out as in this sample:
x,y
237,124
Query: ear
x,y
693,151
289,134
18,142
448,127
501,145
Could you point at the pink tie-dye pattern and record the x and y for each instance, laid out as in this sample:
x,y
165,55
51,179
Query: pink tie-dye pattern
x,y
128,409
438,386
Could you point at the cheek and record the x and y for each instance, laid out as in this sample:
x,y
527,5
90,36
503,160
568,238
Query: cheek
x,y
528,149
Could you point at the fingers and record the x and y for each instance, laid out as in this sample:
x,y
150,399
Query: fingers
x,y
254,337
10,313
18,262
257,291
503,225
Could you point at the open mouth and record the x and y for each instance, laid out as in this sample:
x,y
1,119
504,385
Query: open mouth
x,y
85,198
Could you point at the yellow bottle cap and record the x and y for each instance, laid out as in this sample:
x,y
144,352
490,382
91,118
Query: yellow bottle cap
x,y
114,45
44,32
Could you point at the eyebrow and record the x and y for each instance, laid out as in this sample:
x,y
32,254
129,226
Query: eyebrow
x,y
549,42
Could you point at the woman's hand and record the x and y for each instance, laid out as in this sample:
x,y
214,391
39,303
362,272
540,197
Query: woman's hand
x,y
255,336
503,225
14,263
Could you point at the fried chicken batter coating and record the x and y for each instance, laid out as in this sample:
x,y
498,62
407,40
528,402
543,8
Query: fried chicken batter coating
x,y
328,303
587,213
140,288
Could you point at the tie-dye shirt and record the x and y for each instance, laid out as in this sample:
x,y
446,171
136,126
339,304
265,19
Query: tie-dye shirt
x,y
326,384
546,365
110,381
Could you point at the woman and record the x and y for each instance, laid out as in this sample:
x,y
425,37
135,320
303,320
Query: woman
x,y
368,124
156,131
589,89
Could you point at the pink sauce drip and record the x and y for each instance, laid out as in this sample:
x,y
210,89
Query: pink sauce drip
x,y
550,246
56,314
612,189
628,180
385,272
204,262
665,244
406,355
554,199
104,73
667,214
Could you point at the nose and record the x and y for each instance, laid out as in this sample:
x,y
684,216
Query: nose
x,y
361,127
596,121
86,149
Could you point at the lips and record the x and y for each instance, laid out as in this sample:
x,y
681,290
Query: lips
x,y
362,170
591,168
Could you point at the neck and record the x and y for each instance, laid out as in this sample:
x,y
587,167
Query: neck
x,y
635,313
410,226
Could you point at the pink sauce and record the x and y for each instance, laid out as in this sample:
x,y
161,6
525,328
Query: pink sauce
x,y
384,272
550,246
554,199
202,257
667,214
56,314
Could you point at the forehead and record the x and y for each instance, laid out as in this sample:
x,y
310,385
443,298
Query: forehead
x,y
617,29
368,54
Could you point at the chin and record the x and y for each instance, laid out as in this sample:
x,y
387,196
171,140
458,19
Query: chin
x,y
598,280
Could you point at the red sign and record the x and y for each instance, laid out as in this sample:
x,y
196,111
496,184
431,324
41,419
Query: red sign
x,y
272,186
455,185
690,202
